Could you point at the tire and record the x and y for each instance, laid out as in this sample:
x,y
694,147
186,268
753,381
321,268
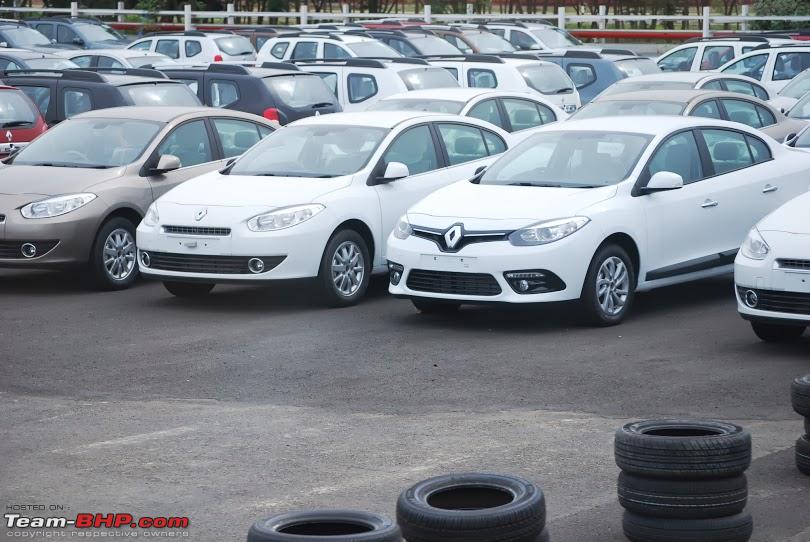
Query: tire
x,y
736,528
113,248
771,333
429,306
683,499
807,425
544,537
472,508
680,449
348,242
803,455
188,289
592,308
331,525
800,397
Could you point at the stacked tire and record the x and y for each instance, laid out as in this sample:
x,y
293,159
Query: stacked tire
x,y
800,397
684,480
473,508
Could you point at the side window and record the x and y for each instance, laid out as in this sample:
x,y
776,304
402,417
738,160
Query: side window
x,y
498,32
223,93
713,85
477,77
65,34
193,48
581,74
41,96
743,87
487,111
742,112
260,41
761,93
747,49
47,30
8,65
109,62
83,61
332,51
521,40
236,136
279,49
305,49
170,48
495,145
361,87
463,143
453,72
759,150
76,101
715,56
678,61
708,109
765,116
524,114
727,150
193,84
789,65
331,80
678,154
415,149
190,143
752,66
460,44
144,45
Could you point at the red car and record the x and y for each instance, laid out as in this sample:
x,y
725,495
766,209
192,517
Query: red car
x,y
20,120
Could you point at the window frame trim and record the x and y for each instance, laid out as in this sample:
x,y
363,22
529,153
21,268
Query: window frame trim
x,y
644,176
349,87
152,161
589,66
379,168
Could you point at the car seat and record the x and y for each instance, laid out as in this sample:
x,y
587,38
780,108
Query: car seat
x,y
678,160
727,156
749,118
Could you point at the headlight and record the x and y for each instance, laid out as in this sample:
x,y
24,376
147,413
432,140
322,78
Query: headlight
x,y
286,217
59,205
754,246
403,228
547,232
152,217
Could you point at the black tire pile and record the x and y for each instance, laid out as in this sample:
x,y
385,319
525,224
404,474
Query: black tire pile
x,y
684,480
800,397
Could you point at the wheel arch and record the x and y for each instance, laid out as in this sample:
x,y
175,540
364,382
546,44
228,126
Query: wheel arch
x,y
629,245
365,232
129,213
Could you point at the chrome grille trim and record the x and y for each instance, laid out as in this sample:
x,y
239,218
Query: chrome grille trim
x,y
197,230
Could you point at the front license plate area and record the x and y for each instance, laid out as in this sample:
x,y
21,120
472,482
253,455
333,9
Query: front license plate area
x,y
448,263
797,282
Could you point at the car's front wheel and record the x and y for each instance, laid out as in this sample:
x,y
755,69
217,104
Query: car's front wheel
x,y
188,289
112,261
609,286
345,269
772,333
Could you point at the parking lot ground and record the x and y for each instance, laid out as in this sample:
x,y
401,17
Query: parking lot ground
x,y
257,401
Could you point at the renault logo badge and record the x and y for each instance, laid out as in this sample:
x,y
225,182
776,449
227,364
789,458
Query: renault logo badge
x,y
453,235
9,135
200,214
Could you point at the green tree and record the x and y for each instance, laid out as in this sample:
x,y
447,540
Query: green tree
x,y
780,7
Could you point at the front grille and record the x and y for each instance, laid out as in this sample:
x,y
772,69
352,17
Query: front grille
x,y
195,230
12,250
798,265
221,265
444,282
467,237
780,301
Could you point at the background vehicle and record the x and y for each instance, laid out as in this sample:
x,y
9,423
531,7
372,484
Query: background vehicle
x,y
414,42
801,109
116,58
532,36
327,45
20,59
773,66
20,120
84,33
687,80
196,46
75,195
701,54
591,72
791,93
471,39
258,35
18,35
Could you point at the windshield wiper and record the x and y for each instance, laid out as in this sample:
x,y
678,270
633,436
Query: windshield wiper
x,y
58,164
543,185
563,90
16,123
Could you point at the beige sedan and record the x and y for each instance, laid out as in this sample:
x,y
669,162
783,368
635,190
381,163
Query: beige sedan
x,y
75,195
697,103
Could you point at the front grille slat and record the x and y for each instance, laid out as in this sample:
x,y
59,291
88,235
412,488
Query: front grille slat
x,y
12,250
197,230
221,265
445,282
780,301
792,263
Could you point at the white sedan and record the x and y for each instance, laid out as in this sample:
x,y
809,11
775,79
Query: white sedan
x,y
316,199
772,273
594,210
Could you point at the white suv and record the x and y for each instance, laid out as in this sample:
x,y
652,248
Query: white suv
x,y
774,66
331,45
703,54
533,36
513,72
360,82
196,46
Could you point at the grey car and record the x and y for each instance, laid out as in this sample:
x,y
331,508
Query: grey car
x,y
75,195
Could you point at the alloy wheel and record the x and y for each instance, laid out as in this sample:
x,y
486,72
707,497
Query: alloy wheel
x,y
612,286
348,268
119,254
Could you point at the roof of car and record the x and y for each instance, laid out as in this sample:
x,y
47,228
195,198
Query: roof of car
x,y
662,126
164,114
375,119
679,96
124,53
456,94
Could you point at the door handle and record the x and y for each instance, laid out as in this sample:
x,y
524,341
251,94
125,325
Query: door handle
x,y
769,188
709,203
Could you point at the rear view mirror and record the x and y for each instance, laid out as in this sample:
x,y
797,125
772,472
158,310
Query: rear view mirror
x,y
394,171
789,139
166,163
663,181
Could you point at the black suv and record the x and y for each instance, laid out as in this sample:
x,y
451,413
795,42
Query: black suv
x,y
18,35
61,94
81,32
277,91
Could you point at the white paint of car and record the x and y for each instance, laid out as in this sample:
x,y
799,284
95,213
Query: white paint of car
x,y
116,58
333,46
774,67
687,80
701,52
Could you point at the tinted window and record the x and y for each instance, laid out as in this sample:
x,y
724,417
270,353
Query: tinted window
x,y
402,47
76,101
415,149
751,66
743,87
333,51
759,150
170,48
521,40
65,34
142,45
708,109
488,111
581,74
236,136
761,93
421,78
300,91
728,150
330,80
162,94
715,56
15,108
713,85
8,65
305,49
190,143
742,112
223,93
678,154
260,41
83,61
279,49
766,116
495,145
41,96
193,48
47,30
678,61
481,78
463,143
789,65
524,114
361,87
108,62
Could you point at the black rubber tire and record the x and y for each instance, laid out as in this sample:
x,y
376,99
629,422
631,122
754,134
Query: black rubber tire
x,y
736,528
188,289
683,449
430,306
803,454
474,508
683,499
98,274
807,425
331,525
800,396
330,294
589,303
544,536
771,333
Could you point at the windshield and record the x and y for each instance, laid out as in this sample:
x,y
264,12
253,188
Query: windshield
x,y
486,42
431,45
141,61
235,46
629,107
404,104
90,143
420,78
637,66
50,63
547,78
571,159
311,151
23,37
16,110
300,90
97,32
554,38
372,48
173,94
621,87
802,109
797,87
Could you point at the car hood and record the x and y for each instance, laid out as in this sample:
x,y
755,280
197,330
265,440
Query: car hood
x,y
497,206
789,218
52,181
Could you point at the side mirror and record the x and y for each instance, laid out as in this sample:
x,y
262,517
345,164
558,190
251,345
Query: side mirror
x,y
394,171
479,170
789,139
166,163
78,41
227,166
663,181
